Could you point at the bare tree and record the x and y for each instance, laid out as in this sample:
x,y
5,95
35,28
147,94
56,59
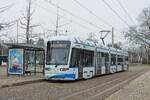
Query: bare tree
x,y
140,34
40,42
26,24
5,25
116,45
144,20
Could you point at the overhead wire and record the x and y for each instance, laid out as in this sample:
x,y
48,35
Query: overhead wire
x,y
129,16
2,9
100,19
48,10
78,17
91,12
107,4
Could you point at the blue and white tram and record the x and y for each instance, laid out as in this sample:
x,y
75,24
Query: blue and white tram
x,y
69,59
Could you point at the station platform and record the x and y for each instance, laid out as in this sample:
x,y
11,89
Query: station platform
x,y
14,80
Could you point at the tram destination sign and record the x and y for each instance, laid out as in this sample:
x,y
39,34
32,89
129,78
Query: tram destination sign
x,y
59,44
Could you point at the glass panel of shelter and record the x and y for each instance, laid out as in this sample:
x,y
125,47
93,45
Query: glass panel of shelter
x,y
34,61
30,61
39,61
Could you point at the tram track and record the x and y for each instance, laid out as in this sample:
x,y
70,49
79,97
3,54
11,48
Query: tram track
x,y
101,91
102,95
97,88
87,90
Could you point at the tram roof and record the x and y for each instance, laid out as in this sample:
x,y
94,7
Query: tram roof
x,y
60,38
88,45
25,46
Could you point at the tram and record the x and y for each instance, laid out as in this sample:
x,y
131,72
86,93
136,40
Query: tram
x,y
70,59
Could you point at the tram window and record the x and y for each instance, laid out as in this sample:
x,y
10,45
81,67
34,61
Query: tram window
x,y
99,55
82,58
57,52
106,56
120,60
113,59
126,58
99,62
88,58
75,58
103,61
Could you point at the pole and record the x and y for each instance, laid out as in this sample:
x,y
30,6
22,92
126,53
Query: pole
x,y
17,31
57,20
28,21
112,37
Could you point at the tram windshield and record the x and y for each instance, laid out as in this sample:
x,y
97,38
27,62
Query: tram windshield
x,y
57,52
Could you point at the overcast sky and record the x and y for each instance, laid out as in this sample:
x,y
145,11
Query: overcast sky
x,y
45,16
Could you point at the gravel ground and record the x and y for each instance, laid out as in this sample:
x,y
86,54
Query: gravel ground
x,y
78,90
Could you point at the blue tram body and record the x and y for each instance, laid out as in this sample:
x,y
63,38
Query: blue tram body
x,y
70,59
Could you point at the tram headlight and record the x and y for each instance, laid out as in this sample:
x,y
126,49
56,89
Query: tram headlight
x,y
47,69
64,69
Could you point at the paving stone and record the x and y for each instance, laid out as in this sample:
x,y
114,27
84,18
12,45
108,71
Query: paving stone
x,y
6,81
138,89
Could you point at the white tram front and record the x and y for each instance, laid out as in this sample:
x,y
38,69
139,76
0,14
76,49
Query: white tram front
x,y
69,59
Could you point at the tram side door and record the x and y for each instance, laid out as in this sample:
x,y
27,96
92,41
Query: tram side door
x,y
80,60
103,67
98,64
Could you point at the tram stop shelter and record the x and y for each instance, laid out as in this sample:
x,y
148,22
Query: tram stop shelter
x,y
25,59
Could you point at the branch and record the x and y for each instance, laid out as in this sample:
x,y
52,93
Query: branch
x,y
5,8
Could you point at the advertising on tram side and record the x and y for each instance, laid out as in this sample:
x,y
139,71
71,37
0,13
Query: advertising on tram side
x,y
15,61
64,73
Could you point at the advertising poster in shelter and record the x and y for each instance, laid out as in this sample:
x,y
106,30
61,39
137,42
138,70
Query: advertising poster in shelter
x,y
15,61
